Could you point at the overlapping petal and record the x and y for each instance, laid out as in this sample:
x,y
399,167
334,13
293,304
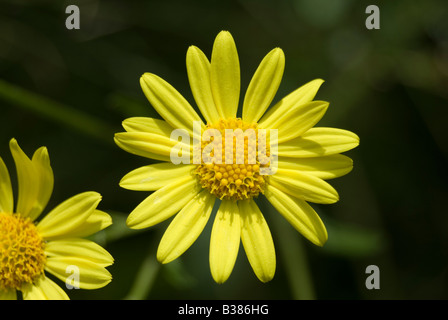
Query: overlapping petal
x,y
164,203
319,142
299,214
186,227
98,220
294,121
91,275
79,248
44,289
35,179
69,215
304,186
300,96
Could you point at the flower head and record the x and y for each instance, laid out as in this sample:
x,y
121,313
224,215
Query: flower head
x,y
274,152
54,245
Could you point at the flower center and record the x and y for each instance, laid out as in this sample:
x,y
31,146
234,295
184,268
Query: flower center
x,y
22,256
230,166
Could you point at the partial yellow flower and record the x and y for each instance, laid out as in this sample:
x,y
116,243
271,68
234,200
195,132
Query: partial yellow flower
x,y
54,244
303,156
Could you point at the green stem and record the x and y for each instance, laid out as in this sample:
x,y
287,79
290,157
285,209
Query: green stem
x,y
291,248
56,112
144,279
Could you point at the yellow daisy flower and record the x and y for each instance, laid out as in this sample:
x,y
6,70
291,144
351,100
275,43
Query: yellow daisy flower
x,y
302,159
55,243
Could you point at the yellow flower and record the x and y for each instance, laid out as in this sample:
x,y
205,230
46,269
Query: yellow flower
x,y
54,244
304,158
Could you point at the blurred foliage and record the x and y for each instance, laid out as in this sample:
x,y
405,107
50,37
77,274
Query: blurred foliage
x,y
70,89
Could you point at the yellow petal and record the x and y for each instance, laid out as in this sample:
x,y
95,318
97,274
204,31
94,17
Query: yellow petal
x,y
225,75
319,142
44,289
149,145
91,275
186,227
198,68
302,95
169,103
163,203
97,221
10,294
295,120
328,167
41,162
299,214
35,179
264,85
79,248
149,125
6,196
225,241
154,176
304,186
257,241
69,215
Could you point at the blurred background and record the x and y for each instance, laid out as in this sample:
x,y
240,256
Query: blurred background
x,y
69,90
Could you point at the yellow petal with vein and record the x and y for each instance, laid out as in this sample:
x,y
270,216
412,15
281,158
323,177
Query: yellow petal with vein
x,y
328,167
44,289
35,179
169,103
149,125
257,241
154,176
41,162
319,142
296,120
150,145
264,85
225,75
91,274
224,241
79,248
198,69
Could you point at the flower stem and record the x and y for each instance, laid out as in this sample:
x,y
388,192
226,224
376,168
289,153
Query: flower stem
x,y
57,112
144,279
291,248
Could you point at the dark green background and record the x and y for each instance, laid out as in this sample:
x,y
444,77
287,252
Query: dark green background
x,y
69,90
